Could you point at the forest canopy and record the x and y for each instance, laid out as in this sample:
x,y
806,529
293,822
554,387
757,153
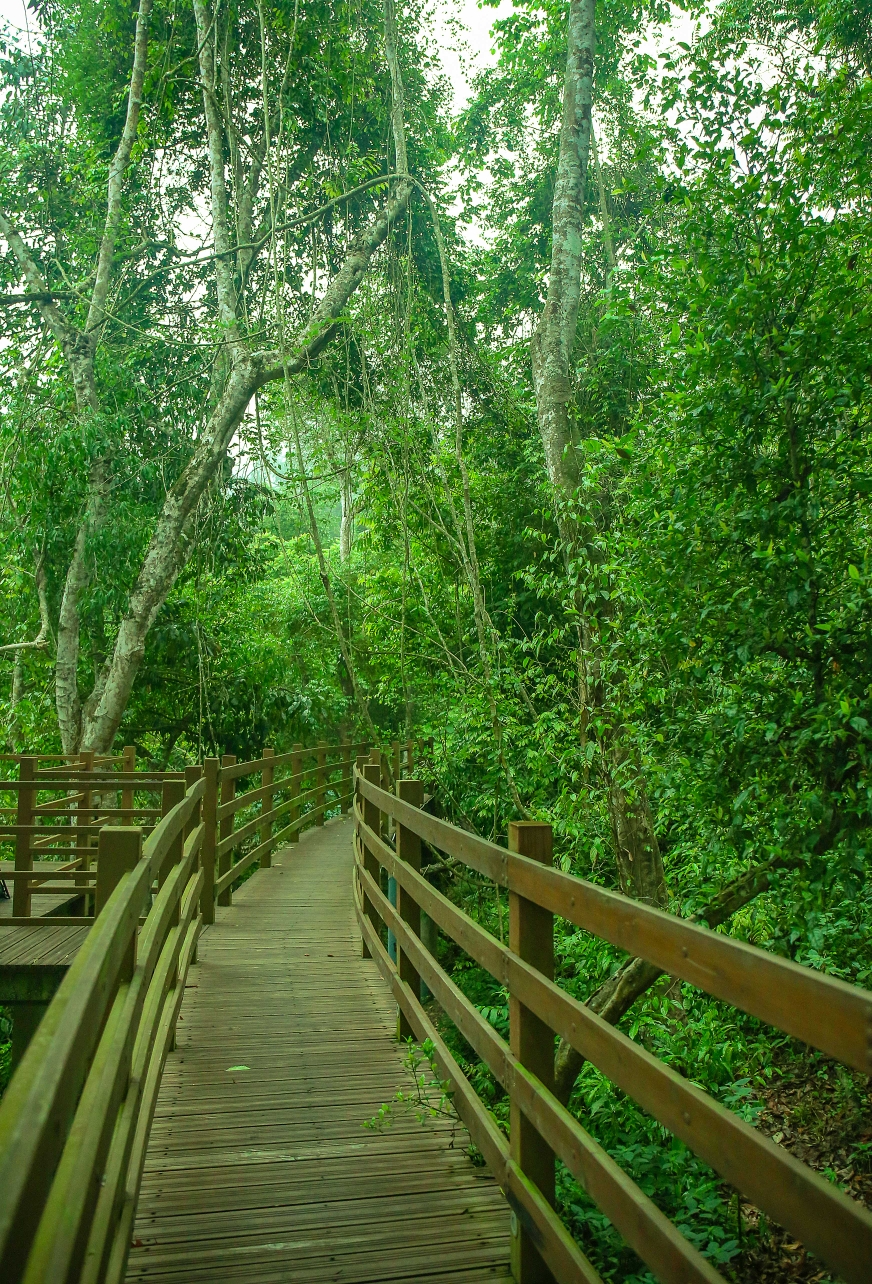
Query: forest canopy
x,y
541,426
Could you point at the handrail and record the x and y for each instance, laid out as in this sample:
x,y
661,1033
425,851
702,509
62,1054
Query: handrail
x,y
820,1010
834,1226
69,1117
306,805
75,1118
60,812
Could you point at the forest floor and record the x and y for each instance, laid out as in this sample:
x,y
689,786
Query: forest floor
x,y
822,1114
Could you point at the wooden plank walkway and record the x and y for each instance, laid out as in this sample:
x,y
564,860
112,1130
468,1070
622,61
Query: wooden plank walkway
x,y
267,1173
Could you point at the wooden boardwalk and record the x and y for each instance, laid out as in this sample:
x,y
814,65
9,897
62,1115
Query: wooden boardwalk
x,y
267,1173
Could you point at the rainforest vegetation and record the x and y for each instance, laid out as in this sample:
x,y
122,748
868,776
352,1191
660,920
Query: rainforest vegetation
x,y
540,425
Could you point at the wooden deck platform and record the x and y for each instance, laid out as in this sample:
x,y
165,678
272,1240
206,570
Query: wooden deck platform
x,y
43,904
267,1173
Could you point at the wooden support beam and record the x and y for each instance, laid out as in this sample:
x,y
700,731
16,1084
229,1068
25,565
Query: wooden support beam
x,y
320,783
23,853
531,937
128,766
172,793
210,839
360,764
372,817
409,850
85,818
345,785
225,860
192,775
266,829
119,851
296,767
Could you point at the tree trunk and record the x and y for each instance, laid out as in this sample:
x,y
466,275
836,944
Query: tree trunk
x,y
168,549
346,520
637,853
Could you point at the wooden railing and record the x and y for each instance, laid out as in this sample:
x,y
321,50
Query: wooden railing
x,y
76,1116
54,815
826,1013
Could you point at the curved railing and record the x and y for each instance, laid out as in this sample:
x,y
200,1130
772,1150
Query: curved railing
x,y
824,1012
75,1118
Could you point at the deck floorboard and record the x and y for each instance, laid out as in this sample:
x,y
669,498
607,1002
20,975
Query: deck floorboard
x,y
268,1173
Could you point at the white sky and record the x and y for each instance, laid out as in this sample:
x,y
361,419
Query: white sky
x,y
14,12
477,22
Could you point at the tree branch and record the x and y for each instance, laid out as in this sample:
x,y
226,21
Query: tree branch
x,y
41,641
117,170
227,306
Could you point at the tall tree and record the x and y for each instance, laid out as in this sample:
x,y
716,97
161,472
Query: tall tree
x,y
262,130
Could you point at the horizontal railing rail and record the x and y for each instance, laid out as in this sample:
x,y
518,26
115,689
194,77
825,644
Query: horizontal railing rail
x,y
832,1016
296,789
59,813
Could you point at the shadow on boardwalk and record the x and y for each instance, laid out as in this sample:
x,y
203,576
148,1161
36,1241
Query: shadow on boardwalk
x,y
259,1167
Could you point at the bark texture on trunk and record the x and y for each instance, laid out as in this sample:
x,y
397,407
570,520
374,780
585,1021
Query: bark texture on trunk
x,y
79,347
93,726
554,337
637,853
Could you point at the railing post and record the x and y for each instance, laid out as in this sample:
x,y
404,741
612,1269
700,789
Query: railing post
x,y
397,763
119,850
360,764
172,793
192,775
320,783
531,937
85,819
345,786
266,778
380,760
23,836
128,767
225,828
210,839
372,816
296,767
409,850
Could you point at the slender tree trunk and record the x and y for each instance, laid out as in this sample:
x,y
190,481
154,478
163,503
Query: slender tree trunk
x,y
637,853
169,546
17,680
346,520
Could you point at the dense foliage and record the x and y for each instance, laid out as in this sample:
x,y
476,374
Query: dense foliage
x,y
378,554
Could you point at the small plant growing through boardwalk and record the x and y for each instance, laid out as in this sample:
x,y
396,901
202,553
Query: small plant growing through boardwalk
x,y
431,1096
